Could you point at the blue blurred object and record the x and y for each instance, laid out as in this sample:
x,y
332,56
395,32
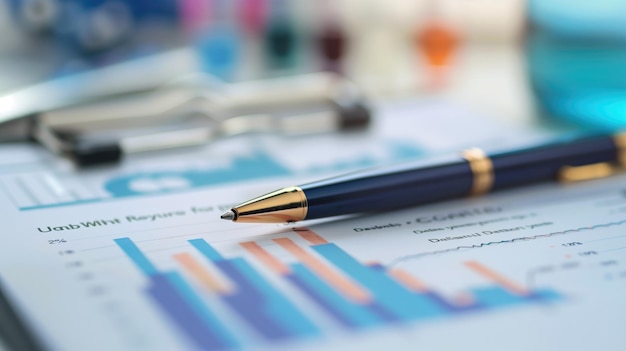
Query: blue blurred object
x,y
95,25
219,48
576,60
90,25
35,16
219,43
579,19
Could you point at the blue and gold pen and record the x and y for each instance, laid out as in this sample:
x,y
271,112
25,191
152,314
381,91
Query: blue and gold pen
x,y
474,173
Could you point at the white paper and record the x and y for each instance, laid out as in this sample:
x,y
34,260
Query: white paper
x,y
535,268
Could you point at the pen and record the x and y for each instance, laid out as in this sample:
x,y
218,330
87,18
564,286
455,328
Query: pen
x,y
421,182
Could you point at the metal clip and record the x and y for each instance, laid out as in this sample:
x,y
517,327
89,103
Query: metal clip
x,y
597,170
587,172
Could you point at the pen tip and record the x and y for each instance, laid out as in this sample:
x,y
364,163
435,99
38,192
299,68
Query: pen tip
x,y
229,216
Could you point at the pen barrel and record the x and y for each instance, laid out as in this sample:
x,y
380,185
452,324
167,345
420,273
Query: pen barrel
x,y
389,188
545,162
435,180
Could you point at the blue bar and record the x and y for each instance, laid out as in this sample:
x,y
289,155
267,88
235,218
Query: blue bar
x,y
200,307
133,252
207,250
496,296
451,308
252,306
271,313
403,303
260,304
185,316
546,295
345,312
382,312
279,305
180,302
377,266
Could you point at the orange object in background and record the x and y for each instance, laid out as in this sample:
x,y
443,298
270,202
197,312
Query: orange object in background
x,y
438,43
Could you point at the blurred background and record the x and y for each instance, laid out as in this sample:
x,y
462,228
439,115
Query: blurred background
x,y
526,61
557,65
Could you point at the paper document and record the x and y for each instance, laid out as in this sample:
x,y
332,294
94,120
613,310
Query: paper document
x,y
136,258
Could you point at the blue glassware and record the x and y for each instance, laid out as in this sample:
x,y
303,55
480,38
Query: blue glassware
x,y
576,55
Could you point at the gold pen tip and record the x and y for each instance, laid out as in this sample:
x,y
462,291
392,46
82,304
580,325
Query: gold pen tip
x,y
229,216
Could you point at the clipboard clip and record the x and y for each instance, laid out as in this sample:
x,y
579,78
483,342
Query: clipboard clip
x,y
192,109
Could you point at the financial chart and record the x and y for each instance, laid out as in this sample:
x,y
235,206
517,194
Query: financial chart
x,y
354,295
178,278
541,267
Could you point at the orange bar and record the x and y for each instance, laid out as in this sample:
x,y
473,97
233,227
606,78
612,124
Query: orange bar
x,y
310,236
201,274
408,280
497,277
265,257
345,286
464,299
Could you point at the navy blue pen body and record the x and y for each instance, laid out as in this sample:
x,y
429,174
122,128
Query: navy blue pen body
x,y
543,163
435,180
388,188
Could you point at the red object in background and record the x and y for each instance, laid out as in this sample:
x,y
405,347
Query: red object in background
x,y
332,46
253,15
194,15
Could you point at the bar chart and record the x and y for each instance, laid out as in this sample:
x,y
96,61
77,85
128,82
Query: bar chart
x,y
159,275
355,295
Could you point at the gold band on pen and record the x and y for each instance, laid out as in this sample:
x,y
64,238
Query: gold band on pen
x,y
482,170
